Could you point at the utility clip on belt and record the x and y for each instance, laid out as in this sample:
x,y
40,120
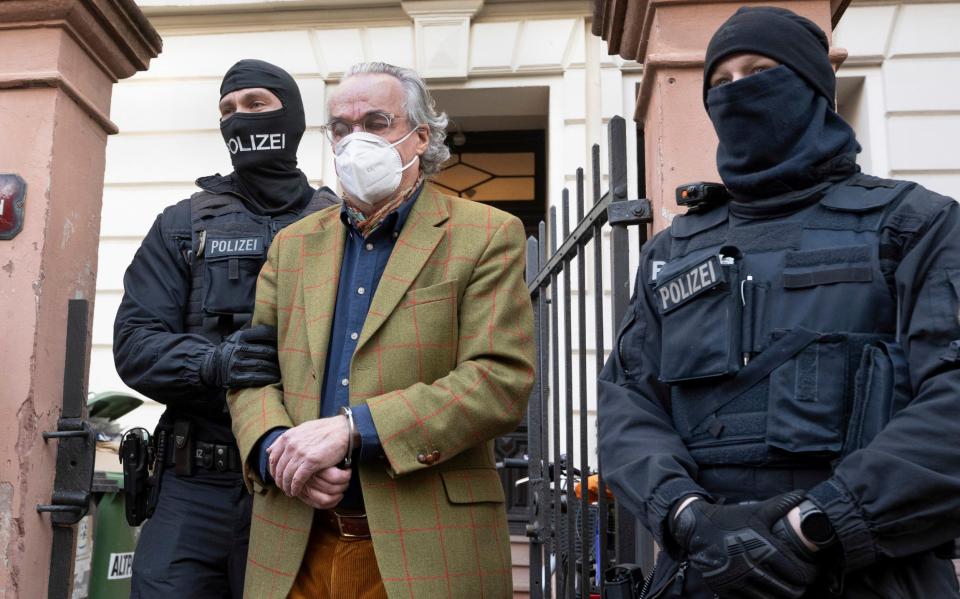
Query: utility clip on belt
x,y
190,454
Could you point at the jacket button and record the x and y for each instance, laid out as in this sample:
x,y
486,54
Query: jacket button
x,y
422,458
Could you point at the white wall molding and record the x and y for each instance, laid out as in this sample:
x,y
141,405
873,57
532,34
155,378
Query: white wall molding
x,y
234,22
440,8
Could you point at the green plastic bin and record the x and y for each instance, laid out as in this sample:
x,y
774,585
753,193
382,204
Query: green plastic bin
x,y
113,540
103,563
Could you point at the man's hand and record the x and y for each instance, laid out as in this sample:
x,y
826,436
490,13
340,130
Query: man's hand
x,y
247,358
304,450
743,551
325,489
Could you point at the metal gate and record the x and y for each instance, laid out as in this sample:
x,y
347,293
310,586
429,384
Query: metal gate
x,y
76,444
573,539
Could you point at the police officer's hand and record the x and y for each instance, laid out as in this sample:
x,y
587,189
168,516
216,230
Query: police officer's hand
x,y
247,358
325,489
742,551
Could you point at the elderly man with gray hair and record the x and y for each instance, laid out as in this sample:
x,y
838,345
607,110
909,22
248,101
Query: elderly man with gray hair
x,y
406,347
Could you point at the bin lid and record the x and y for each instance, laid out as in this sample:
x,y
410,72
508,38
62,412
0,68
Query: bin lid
x,y
111,405
107,482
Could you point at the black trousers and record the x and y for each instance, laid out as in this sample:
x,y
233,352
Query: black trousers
x,y
195,545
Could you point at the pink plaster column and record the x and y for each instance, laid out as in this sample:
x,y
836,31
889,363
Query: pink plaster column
x,y
670,38
58,62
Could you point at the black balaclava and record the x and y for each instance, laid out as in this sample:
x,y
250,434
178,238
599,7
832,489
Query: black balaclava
x,y
781,34
778,130
263,145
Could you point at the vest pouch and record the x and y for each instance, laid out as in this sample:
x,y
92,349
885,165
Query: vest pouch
x,y
807,399
881,389
231,267
700,308
754,318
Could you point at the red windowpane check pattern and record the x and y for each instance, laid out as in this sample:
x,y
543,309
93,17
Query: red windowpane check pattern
x,y
445,362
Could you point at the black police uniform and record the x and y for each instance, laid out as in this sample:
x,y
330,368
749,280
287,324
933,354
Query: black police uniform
x,y
812,345
191,284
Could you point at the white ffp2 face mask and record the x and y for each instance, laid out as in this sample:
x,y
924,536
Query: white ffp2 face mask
x,y
369,167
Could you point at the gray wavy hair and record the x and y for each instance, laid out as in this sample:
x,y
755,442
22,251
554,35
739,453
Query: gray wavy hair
x,y
421,110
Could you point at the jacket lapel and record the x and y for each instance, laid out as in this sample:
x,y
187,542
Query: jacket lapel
x,y
322,257
418,239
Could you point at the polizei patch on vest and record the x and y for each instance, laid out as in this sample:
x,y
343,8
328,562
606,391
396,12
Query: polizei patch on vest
x,y
243,246
689,284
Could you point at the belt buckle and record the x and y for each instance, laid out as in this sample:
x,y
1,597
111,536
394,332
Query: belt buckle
x,y
340,518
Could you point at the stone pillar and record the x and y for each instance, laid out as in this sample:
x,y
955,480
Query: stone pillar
x,y
670,38
58,62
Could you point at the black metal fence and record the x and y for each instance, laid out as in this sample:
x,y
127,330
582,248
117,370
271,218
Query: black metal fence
x,y
573,539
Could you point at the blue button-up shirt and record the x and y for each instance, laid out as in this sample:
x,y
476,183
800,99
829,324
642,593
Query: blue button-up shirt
x,y
364,260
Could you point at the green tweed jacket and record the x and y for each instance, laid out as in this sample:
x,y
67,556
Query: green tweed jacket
x,y
445,362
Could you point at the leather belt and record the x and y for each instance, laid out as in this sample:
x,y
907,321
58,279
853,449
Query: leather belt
x,y
348,525
212,456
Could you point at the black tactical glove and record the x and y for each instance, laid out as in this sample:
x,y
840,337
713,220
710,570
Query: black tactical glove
x,y
247,358
744,551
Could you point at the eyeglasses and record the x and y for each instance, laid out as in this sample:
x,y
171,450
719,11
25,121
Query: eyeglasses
x,y
377,123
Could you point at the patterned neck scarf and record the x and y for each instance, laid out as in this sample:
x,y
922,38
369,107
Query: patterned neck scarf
x,y
366,225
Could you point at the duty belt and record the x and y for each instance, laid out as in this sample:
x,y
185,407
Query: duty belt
x,y
212,456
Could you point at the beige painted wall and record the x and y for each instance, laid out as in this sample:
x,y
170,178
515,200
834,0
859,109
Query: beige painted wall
x,y
906,56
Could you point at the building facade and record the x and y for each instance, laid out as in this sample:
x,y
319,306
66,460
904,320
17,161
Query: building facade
x,y
900,88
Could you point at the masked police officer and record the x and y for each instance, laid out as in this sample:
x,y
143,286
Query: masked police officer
x,y
782,405
179,336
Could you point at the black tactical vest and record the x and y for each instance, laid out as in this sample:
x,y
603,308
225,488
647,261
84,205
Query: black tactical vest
x,y
778,335
228,246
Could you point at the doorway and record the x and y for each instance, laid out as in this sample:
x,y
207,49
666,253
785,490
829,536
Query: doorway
x,y
505,169
497,140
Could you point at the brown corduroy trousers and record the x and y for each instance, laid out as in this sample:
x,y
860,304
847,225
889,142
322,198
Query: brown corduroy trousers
x,y
336,567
